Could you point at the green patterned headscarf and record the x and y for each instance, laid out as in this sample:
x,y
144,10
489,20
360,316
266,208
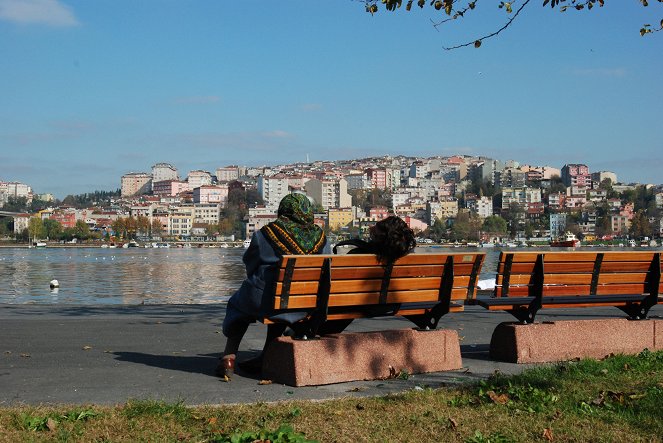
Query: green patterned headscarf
x,y
294,232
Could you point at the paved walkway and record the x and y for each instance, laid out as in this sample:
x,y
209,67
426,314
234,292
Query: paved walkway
x,y
108,355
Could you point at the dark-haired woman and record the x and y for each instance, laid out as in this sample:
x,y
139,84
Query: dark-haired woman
x,y
390,239
293,232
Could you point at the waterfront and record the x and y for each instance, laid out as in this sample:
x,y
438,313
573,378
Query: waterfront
x,y
103,276
92,276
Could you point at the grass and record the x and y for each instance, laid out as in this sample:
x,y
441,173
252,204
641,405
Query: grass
x,y
616,399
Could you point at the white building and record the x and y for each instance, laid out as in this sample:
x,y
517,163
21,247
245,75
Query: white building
x,y
214,194
199,178
227,174
258,221
329,193
14,190
482,206
164,171
272,189
358,181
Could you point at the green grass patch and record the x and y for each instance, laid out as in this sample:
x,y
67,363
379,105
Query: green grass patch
x,y
616,399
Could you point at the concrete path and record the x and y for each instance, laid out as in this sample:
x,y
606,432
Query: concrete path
x,y
109,355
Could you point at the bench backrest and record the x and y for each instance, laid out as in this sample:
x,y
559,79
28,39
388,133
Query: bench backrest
x,y
359,280
575,273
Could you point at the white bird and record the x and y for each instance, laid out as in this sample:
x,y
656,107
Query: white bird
x,y
54,284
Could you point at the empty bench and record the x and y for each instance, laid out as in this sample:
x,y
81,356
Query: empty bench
x,y
316,293
527,282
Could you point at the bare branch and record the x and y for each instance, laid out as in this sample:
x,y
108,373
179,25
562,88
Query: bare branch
x,y
478,41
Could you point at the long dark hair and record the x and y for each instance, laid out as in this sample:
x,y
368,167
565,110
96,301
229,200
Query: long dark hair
x,y
391,239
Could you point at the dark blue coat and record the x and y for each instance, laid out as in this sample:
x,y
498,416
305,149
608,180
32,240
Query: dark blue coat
x,y
255,296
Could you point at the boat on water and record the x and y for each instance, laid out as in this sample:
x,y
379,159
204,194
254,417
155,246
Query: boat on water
x,y
568,240
39,244
160,245
247,242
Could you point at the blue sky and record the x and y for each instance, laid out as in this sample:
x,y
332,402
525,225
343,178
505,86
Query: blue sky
x,y
90,90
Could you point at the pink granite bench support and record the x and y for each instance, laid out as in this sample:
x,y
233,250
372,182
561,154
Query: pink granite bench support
x,y
570,339
352,356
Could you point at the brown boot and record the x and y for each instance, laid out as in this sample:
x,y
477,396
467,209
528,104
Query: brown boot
x,y
226,366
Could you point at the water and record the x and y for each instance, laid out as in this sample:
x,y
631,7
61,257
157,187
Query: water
x,y
94,276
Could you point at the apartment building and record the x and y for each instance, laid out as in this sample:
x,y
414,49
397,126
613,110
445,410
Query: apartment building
x,y
521,196
357,181
557,224
170,188
329,193
136,183
211,194
620,224
272,189
383,178
206,213
199,178
180,221
14,190
228,173
441,210
510,178
338,218
598,177
164,171
419,169
66,218
481,206
21,222
576,175
255,222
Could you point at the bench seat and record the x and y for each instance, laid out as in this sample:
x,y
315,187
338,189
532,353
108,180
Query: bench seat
x,y
311,290
527,282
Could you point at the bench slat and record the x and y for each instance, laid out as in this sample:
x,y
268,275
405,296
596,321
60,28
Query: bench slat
x,y
551,257
578,279
343,286
354,273
578,267
562,290
368,298
353,260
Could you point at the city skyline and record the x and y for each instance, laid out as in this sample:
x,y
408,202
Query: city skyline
x,y
92,92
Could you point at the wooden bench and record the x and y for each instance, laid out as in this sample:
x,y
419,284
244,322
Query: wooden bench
x,y
528,281
314,289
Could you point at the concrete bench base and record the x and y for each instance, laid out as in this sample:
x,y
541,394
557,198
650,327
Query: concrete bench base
x,y
567,340
360,356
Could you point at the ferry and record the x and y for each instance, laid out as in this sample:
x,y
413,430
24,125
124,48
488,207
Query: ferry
x,y
568,240
247,242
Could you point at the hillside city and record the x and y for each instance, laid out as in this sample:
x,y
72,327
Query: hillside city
x,y
443,199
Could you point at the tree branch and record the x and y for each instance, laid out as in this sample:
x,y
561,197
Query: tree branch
x,y
478,41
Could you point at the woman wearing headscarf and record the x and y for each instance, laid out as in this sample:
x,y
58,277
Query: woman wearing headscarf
x,y
293,232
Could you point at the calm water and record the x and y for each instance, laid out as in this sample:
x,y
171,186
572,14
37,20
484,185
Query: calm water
x,y
119,276
94,276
